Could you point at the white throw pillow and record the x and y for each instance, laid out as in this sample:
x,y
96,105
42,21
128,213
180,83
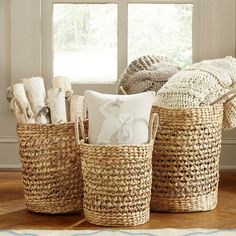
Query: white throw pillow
x,y
118,119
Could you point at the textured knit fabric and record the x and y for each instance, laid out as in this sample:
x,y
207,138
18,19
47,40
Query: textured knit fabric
x,y
147,73
200,84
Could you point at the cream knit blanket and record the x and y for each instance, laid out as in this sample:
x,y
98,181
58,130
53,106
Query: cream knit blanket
x,y
147,73
200,84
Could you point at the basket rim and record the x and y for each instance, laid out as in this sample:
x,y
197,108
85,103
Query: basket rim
x,y
218,105
144,145
49,124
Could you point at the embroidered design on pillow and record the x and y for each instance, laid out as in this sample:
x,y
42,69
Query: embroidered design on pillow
x,y
124,135
117,124
118,119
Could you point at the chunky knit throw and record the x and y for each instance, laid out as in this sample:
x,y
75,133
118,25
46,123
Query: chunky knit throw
x,y
147,73
200,84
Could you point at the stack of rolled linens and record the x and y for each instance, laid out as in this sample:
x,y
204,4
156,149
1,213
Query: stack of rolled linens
x,y
31,104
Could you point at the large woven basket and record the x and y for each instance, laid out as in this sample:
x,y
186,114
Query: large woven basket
x,y
186,158
117,181
51,167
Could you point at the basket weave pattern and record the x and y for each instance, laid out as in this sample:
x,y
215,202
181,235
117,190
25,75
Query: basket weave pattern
x,y
186,159
117,183
51,167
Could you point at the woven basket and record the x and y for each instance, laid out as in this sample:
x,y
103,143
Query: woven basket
x,y
51,167
117,181
186,158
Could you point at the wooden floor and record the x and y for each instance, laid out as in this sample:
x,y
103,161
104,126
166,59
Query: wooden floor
x,y
14,215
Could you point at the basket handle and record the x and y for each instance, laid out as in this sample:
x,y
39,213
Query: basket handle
x,y
85,110
153,126
79,126
122,91
231,92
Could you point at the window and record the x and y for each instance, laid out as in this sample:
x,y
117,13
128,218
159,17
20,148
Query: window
x,y
94,41
85,41
161,29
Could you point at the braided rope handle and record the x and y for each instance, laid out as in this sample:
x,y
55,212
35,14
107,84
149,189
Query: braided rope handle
x,y
231,92
79,127
85,109
153,126
121,90
152,129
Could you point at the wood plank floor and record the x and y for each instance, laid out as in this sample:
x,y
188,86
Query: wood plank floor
x,y
14,215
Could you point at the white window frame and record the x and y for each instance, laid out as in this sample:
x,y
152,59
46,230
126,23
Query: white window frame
x,y
122,37
214,35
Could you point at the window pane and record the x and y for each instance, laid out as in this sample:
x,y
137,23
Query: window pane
x,y
85,42
160,29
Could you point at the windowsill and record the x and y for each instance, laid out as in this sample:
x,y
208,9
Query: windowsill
x,y
93,83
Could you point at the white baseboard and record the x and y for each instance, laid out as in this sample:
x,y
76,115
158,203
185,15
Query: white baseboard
x,y
7,166
228,167
8,139
228,141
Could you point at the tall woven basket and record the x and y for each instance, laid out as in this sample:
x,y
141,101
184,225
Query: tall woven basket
x,y
117,181
186,158
51,167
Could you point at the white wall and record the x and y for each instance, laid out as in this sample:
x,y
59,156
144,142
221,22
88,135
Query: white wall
x,y
20,56
214,24
8,150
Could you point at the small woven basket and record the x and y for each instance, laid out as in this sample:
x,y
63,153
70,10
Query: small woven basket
x,y
51,167
186,158
117,181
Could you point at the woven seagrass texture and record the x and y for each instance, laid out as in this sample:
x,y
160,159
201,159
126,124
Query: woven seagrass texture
x,y
186,159
117,183
51,167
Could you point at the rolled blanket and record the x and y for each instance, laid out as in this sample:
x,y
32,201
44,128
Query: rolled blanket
x,y
147,73
200,84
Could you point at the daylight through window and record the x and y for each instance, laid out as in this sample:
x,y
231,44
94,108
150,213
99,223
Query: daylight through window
x,y
160,29
85,41
85,37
